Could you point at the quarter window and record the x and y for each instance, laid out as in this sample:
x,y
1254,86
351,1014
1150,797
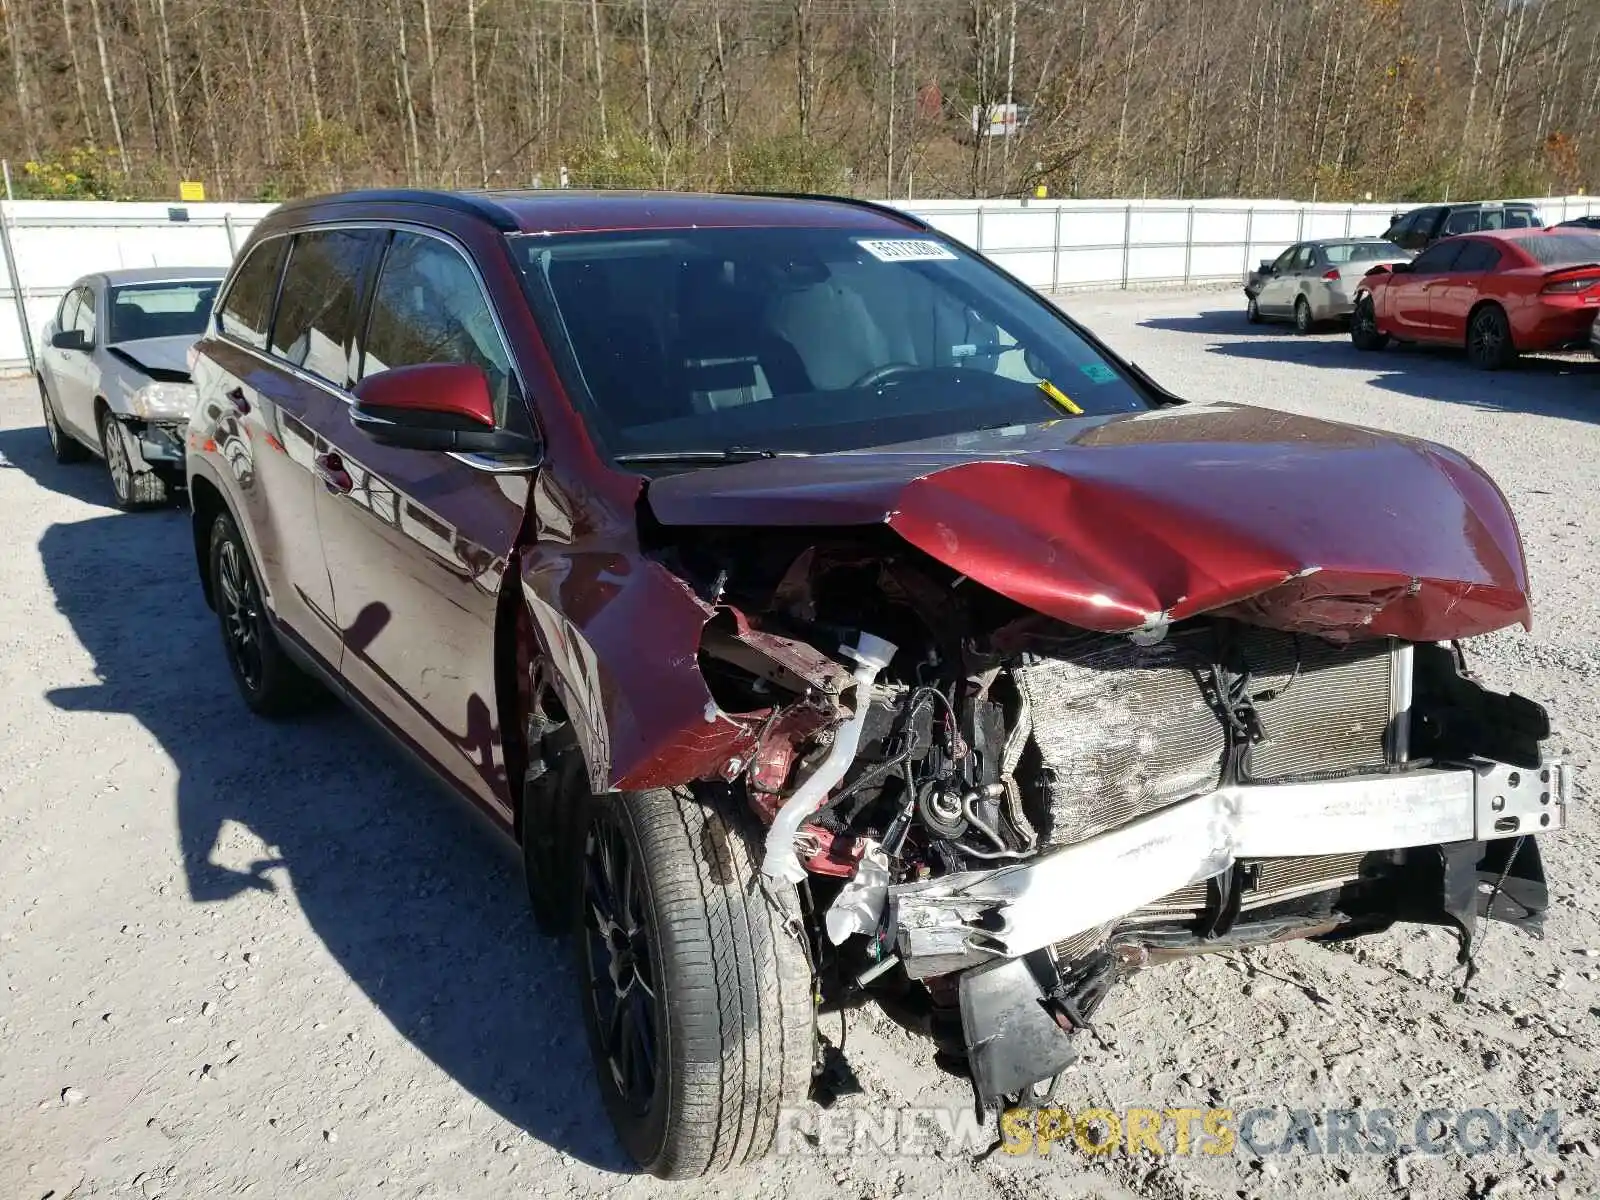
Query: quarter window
x,y
318,304
429,308
247,311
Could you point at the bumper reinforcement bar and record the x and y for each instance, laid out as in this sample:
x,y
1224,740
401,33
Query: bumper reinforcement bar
x,y
958,919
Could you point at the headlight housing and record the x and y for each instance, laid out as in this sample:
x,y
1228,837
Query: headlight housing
x,y
161,400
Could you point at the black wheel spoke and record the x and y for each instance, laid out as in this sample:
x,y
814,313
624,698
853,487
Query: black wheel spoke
x,y
617,949
240,615
643,1031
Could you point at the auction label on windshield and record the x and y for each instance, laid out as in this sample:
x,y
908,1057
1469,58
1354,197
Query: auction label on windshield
x,y
904,249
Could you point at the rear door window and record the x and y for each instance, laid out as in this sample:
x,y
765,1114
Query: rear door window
x,y
69,309
428,307
1476,257
320,300
84,318
247,310
1437,258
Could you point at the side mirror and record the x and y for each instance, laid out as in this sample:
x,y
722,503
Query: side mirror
x,y
69,339
1402,268
1266,266
433,406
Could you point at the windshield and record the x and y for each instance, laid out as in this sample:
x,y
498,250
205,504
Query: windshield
x,y
1563,249
1346,252
153,310
804,340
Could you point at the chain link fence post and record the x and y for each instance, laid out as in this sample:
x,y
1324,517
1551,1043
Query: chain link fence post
x,y
9,249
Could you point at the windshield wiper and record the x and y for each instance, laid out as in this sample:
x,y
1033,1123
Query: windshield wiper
x,y
731,454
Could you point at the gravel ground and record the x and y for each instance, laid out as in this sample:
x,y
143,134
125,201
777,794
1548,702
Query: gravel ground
x,y
239,957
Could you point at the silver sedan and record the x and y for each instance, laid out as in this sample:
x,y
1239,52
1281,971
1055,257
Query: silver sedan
x,y
113,374
1315,281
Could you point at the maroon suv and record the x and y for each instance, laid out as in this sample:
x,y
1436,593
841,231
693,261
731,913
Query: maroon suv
x,y
827,615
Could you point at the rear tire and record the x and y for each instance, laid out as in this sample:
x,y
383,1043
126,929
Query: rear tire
x,y
1489,344
1303,321
63,445
271,684
131,488
687,967
1364,332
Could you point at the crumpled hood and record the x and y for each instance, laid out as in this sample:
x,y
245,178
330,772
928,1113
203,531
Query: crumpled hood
x,y
167,354
1133,522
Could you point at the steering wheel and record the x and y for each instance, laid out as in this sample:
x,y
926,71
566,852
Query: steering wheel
x,y
879,374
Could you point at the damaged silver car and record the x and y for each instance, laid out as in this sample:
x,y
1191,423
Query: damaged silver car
x,y
113,374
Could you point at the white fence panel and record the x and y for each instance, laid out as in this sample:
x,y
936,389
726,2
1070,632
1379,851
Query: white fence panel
x,y
58,241
1048,244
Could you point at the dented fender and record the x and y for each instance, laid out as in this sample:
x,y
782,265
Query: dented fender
x,y
621,637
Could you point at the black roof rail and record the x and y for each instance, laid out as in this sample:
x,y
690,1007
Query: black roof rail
x,y
886,210
474,204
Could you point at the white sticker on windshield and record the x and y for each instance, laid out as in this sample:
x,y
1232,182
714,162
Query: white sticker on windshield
x,y
904,249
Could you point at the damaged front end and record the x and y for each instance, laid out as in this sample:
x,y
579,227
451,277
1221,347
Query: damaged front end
x,y
1009,814
1018,727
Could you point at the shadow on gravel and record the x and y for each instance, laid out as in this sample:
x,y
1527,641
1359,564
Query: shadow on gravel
x,y
29,450
1546,386
1218,320
416,900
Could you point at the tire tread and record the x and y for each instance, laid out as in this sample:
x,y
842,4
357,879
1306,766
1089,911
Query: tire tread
x,y
740,1022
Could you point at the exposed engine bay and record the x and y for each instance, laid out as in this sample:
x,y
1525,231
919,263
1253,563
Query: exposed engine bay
x,y
991,816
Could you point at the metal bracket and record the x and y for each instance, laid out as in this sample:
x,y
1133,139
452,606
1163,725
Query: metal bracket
x,y
1510,801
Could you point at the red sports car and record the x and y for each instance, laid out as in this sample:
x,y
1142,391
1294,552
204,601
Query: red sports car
x,y
1497,293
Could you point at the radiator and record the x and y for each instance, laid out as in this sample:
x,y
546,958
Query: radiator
x,y
1122,730
1264,881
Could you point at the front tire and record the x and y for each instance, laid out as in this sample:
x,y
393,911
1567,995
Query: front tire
x,y
1303,320
131,488
1364,331
696,995
271,684
1252,311
1489,344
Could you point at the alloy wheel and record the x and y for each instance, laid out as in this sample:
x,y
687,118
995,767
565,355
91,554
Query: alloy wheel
x,y
617,952
117,461
1488,338
241,615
